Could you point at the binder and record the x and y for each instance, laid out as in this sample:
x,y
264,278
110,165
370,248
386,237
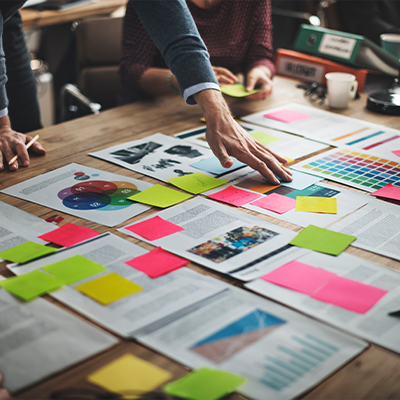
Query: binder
x,y
343,47
304,67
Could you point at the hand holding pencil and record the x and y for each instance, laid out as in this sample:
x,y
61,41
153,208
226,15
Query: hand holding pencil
x,y
14,144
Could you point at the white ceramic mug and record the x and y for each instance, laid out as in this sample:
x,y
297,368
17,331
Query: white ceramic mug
x,y
342,88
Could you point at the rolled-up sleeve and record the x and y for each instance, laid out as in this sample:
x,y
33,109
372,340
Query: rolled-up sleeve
x,y
3,74
171,26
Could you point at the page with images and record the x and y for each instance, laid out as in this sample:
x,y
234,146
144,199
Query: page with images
x,y
18,226
219,237
375,325
376,226
282,353
160,299
84,192
38,339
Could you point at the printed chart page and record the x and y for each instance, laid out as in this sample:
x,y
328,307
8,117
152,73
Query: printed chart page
x,y
375,325
17,226
302,185
330,128
281,352
38,339
219,237
160,299
365,171
285,144
376,226
84,192
159,156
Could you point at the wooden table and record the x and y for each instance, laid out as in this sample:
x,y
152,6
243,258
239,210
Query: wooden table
x,y
33,18
375,374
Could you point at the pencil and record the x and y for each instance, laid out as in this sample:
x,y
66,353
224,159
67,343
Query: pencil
x,y
26,146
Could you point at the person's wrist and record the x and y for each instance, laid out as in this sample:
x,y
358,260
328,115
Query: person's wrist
x,y
5,122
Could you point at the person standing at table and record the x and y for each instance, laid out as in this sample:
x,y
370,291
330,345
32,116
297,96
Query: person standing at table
x,y
238,37
11,141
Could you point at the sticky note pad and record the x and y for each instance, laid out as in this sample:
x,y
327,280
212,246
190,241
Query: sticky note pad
x,y
129,373
389,192
276,202
196,183
322,240
298,276
204,384
74,269
287,116
31,285
234,196
396,152
265,138
349,294
157,262
154,228
315,204
237,90
69,234
160,196
109,288
25,252
213,165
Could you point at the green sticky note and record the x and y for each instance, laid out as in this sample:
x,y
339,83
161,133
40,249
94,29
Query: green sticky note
x,y
160,196
196,183
204,384
322,240
237,90
74,269
25,252
31,284
265,138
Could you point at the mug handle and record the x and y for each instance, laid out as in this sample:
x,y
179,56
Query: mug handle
x,y
353,90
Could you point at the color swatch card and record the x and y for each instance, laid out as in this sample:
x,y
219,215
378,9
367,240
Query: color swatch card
x,y
159,156
364,171
84,192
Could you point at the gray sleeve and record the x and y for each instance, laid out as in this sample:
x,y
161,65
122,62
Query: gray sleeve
x,y
3,74
171,26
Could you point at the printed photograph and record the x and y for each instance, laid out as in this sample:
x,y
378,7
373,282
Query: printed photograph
x,y
134,154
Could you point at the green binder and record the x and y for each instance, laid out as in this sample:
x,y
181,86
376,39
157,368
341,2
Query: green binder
x,y
346,48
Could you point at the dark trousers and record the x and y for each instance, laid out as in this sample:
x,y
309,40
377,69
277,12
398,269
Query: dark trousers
x,y
23,106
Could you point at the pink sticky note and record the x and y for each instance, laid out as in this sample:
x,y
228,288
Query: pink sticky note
x,y
396,152
349,294
389,191
287,116
276,202
234,196
68,235
157,262
154,228
300,277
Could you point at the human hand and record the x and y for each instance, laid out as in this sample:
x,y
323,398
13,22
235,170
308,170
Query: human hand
x,y
227,138
224,76
4,393
259,78
12,143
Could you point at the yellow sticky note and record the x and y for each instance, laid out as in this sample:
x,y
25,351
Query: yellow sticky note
x,y
237,90
129,375
326,205
109,288
160,196
265,138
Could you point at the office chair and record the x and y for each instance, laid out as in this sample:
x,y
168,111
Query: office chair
x,y
98,52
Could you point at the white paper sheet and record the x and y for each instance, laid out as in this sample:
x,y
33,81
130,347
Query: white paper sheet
x,y
17,226
375,325
161,298
286,145
38,339
376,226
85,192
282,353
159,156
334,129
220,237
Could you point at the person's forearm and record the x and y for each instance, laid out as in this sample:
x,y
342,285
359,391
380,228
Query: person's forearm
x,y
154,82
